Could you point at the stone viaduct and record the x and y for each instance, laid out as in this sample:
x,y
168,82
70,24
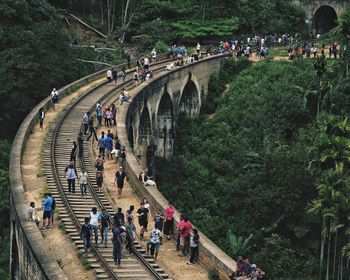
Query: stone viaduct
x,y
147,122
152,115
322,15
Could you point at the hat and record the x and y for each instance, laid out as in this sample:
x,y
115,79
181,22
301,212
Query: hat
x,y
54,88
254,265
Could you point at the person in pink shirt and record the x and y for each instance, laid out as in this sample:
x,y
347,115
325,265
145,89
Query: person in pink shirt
x,y
178,227
169,216
185,231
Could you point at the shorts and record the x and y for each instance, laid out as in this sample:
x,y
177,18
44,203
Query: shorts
x,y
47,214
156,245
143,224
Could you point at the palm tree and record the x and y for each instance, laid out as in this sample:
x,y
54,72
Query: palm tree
x,y
330,165
238,244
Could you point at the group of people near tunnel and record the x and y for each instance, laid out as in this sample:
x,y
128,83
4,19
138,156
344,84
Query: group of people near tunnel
x,y
307,50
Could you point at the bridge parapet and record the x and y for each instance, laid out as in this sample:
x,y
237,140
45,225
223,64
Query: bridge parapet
x,y
149,96
30,258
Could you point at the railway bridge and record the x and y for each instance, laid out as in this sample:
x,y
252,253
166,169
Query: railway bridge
x,y
147,122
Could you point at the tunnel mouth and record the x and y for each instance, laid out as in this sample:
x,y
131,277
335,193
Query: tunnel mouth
x,y
325,19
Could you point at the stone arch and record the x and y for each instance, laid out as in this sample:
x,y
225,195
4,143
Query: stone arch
x,y
324,19
145,127
164,125
145,139
190,97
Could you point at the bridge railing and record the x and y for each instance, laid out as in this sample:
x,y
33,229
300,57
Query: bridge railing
x,y
30,258
210,255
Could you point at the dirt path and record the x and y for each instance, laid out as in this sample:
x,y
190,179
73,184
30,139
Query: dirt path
x,y
168,258
58,243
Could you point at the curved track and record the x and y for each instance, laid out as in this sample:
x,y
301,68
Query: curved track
x,y
74,208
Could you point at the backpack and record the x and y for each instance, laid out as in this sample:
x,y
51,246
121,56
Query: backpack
x,y
55,98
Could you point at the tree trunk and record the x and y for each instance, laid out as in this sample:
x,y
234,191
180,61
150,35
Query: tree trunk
x,y
335,253
322,249
101,6
113,16
108,18
329,248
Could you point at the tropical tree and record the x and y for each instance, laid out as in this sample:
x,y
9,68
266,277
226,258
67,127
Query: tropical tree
x,y
330,165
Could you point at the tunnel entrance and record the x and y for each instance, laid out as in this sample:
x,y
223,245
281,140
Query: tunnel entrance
x,y
189,102
165,126
325,19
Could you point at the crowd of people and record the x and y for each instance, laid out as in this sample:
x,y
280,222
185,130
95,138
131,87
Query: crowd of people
x,y
246,270
122,224
307,50
98,223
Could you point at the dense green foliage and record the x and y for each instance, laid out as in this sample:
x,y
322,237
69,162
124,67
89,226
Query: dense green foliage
x,y
191,20
253,199
31,51
4,209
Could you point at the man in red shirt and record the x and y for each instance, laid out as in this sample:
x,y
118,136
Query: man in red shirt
x,y
185,231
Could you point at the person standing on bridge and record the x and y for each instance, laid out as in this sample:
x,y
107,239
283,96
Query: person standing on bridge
x,y
71,175
54,98
169,217
105,225
142,214
47,203
94,222
80,141
154,55
109,76
115,75
102,144
119,180
73,153
41,118
131,234
92,129
124,73
86,122
85,234
83,180
117,243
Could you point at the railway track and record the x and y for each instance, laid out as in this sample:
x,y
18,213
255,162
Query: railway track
x,y
74,208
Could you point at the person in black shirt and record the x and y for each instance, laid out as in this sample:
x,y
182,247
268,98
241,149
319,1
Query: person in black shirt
x,y
41,118
92,129
53,208
119,216
142,214
119,180
85,234
105,225
80,141
73,153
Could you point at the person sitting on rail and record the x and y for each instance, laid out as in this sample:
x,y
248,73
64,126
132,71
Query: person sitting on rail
x,y
146,179
32,214
124,96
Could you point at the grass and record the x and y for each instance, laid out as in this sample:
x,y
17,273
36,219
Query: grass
x,y
279,51
60,263
41,173
62,226
84,260
44,189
